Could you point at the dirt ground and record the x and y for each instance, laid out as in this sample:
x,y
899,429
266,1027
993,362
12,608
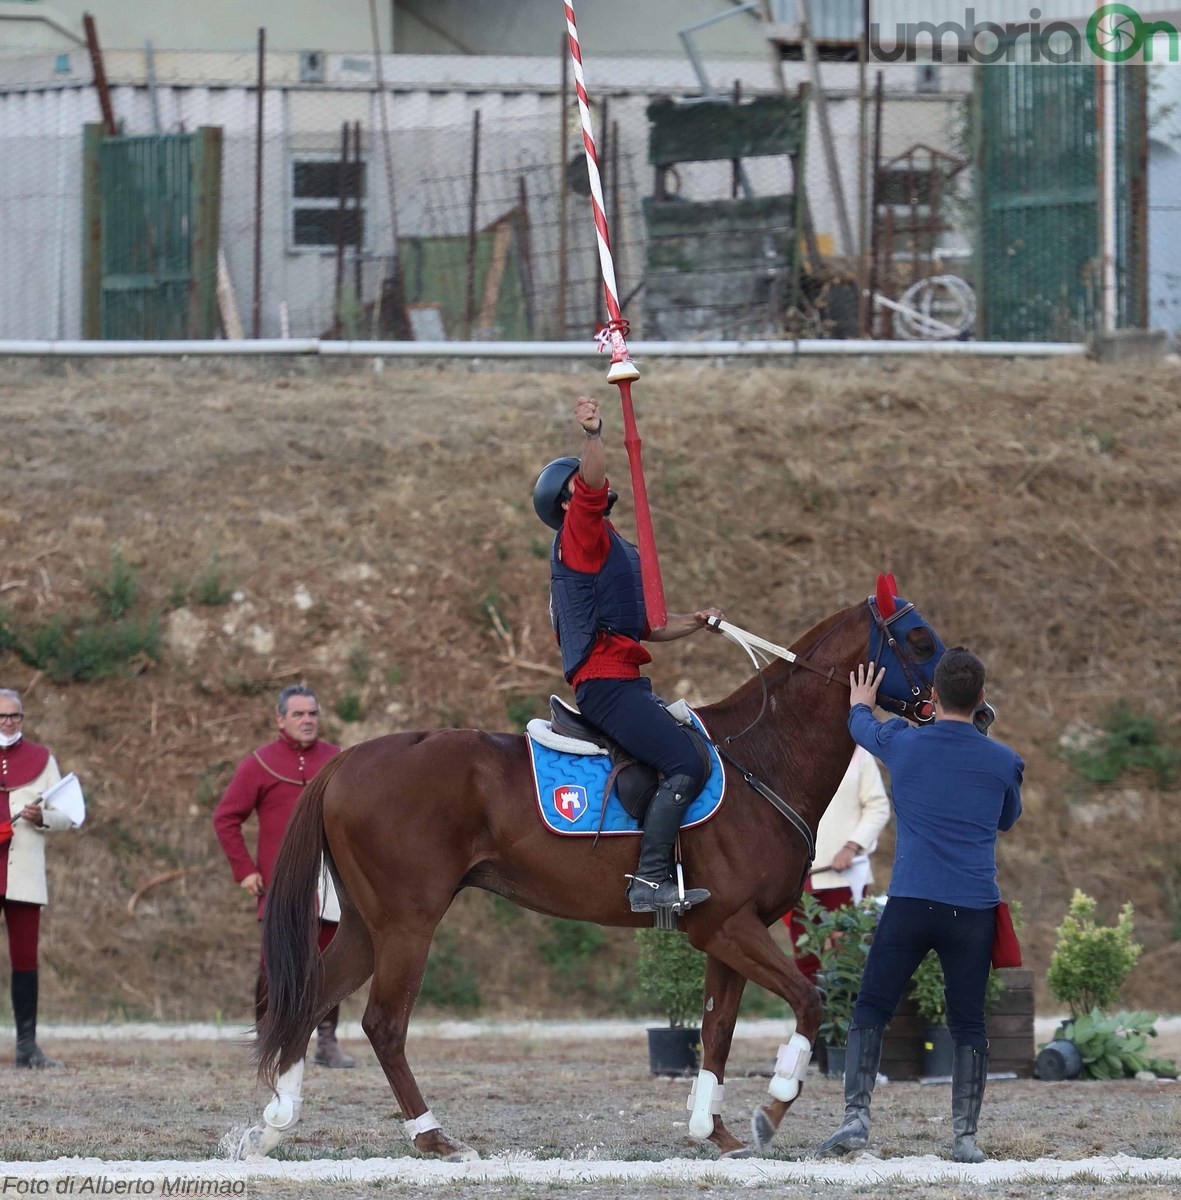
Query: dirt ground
x,y
542,1099
371,533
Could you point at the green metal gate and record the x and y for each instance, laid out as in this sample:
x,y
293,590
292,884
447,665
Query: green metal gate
x,y
1038,269
151,214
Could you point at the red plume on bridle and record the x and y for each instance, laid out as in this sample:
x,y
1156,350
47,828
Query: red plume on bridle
x,y
886,590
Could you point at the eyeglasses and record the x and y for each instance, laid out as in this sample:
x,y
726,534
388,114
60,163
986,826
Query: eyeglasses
x,y
14,718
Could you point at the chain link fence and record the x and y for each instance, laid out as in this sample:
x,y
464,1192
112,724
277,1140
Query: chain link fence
x,y
453,203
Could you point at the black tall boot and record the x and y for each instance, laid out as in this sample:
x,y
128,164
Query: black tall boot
x,y
652,885
968,1074
863,1055
24,1012
328,1052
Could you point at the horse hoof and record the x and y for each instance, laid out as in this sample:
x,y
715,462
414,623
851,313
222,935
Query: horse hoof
x,y
462,1153
257,1142
741,1152
761,1129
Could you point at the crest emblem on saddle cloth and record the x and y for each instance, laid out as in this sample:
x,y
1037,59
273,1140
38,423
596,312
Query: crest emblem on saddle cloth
x,y
570,800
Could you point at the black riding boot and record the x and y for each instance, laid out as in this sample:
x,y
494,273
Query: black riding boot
x,y
24,1012
968,1075
328,1052
862,1058
652,885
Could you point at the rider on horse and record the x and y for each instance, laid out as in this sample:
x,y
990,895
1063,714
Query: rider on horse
x,y
597,609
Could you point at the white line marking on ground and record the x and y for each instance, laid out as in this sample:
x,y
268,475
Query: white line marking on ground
x,y
522,1169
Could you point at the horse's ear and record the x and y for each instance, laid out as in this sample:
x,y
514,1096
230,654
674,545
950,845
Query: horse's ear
x,y
885,596
891,584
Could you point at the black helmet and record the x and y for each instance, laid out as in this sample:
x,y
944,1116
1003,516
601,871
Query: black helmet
x,y
549,490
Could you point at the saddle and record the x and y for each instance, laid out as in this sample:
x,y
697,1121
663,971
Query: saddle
x,y
635,782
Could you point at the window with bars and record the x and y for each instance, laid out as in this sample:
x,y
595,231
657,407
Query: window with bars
x,y
319,220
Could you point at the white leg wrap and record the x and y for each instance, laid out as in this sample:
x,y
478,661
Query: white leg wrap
x,y
423,1124
283,1111
705,1102
790,1068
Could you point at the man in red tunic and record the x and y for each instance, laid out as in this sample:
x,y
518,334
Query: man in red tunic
x,y
26,771
268,782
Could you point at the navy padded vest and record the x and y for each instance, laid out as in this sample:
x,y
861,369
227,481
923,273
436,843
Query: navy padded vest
x,y
583,604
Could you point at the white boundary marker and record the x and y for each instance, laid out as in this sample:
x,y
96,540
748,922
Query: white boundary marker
x,y
804,347
451,1031
864,1169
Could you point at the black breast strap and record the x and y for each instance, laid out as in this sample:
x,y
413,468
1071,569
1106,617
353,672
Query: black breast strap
x,y
776,801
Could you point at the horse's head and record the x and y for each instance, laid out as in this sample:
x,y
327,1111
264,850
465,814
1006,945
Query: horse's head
x,y
901,641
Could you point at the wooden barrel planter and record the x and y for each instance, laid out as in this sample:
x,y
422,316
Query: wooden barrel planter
x,y
1008,1024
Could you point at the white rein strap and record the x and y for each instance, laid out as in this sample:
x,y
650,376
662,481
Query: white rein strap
x,y
754,647
759,649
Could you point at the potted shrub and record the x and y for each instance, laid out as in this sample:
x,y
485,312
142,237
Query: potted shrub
x,y
671,981
1087,970
840,940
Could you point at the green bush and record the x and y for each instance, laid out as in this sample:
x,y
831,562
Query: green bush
x,y
210,589
349,707
1091,961
117,593
449,982
671,975
91,649
1112,1047
1128,741
841,941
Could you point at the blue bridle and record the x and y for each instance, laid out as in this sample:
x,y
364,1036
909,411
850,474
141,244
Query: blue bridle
x,y
904,677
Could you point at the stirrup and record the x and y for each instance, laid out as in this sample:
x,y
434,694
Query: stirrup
x,y
661,897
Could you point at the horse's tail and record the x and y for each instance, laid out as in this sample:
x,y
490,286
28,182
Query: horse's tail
x,y
290,929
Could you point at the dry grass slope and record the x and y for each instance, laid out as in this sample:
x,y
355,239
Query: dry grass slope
x,y
379,532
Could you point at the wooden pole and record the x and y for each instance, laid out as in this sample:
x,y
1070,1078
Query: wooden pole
x,y
100,74
256,302
469,307
563,196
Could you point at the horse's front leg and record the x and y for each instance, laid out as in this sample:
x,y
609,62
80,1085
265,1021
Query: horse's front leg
x,y
745,945
723,993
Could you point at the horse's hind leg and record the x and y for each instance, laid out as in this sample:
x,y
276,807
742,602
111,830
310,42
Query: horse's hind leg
x,y
723,993
401,960
348,962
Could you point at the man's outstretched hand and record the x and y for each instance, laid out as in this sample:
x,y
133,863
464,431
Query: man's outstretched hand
x,y
864,684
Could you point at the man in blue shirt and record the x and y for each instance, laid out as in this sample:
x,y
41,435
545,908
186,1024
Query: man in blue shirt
x,y
953,790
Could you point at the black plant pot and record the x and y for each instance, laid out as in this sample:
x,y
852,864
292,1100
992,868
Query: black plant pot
x,y
1059,1059
674,1051
834,1062
938,1051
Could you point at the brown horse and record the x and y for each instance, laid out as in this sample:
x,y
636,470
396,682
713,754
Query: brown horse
x,y
408,820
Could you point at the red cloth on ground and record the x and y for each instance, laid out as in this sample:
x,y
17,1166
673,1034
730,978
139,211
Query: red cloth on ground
x,y
584,543
829,898
268,782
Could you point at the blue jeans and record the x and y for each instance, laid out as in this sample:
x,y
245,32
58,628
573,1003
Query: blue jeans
x,y
962,937
628,711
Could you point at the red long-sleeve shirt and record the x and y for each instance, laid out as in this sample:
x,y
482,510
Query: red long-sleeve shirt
x,y
268,782
584,543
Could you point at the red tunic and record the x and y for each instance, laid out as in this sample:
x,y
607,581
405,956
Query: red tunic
x,y
268,781
584,546
19,765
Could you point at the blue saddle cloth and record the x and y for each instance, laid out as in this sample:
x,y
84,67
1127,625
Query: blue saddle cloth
x,y
570,792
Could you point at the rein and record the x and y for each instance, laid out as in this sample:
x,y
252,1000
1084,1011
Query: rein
x,y
761,652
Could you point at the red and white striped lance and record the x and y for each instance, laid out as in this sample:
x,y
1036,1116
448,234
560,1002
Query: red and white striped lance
x,y
622,371
622,368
